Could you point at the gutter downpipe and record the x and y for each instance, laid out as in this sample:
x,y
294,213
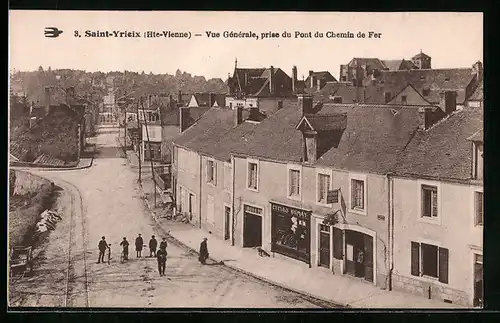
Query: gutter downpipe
x,y
390,226
233,222
201,181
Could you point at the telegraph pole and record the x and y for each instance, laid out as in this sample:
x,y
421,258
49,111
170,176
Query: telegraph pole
x,y
138,147
150,153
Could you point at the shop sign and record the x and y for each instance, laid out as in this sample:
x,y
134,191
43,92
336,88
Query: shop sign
x,y
286,210
332,197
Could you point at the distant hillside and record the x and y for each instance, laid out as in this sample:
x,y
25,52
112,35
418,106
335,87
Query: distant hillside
x,y
96,84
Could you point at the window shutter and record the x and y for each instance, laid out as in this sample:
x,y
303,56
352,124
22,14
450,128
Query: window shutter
x,y
215,173
320,193
338,241
443,265
415,259
434,203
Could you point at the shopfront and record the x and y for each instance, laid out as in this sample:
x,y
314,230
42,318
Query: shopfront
x,y
290,231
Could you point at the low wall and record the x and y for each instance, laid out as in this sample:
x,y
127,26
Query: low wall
x,y
23,219
28,164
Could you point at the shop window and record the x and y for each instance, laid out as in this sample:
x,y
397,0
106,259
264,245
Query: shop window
x,y
357,194
211,172
294,183
252,175
479,208
429,260
323,187
429,201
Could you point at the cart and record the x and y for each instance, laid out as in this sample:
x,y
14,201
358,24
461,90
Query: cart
x,y
21,261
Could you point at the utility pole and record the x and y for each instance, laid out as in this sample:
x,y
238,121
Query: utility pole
x,y
138,146
150,152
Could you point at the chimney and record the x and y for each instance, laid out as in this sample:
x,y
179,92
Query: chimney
x,y
184,118
448,101
305,103
318,84
294,79
311,78
179,98
47,100
238,115
271,80
424,115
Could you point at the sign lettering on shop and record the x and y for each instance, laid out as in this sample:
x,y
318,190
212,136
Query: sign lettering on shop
x,y
301,214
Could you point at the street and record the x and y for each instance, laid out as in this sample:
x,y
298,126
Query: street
x,y
111,206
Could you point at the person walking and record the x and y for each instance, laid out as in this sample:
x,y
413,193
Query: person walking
x,y
163,244
161,256
124,245
103,246
138,246
203,251
152,246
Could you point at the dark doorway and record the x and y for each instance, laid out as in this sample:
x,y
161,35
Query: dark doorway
x,y
324,246
252,230
478,281
227,219
359,255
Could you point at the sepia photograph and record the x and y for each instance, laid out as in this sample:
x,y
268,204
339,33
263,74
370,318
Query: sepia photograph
x,y
245,160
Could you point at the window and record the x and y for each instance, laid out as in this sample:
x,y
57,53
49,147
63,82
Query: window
x,y
426,92
430,261
294,189
252,175
211,172
227,177
478,202
429,201
357,194
323,187
404,99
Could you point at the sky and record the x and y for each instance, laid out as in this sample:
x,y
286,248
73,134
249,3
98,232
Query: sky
x,y
451,39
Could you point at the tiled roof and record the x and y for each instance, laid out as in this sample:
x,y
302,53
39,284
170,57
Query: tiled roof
x,y
45,159
393,64
208,131
478,136
478,94
326,122
17,151
443,151
421,54
349,93
370,142
436,80
256,79
170,117
373,62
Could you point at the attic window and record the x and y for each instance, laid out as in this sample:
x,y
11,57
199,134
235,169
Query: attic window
x,y
446,79
336,99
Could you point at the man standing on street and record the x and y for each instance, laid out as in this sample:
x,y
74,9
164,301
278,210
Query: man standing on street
x,y
161,256
203,251
163,244
124,244
138,245
152,246
103,246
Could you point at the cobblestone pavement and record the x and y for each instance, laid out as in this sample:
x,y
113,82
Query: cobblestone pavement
x,y
111,207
